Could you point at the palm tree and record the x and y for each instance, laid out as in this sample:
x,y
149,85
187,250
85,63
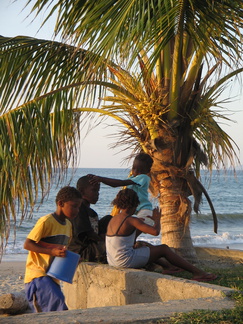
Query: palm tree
x,y
157,67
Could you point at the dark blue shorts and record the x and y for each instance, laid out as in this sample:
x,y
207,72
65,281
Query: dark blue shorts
x,y
45,295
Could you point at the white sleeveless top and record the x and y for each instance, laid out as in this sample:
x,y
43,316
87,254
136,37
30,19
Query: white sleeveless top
x,y
120,251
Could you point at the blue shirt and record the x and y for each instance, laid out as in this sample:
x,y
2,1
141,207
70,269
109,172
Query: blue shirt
x,y
141,188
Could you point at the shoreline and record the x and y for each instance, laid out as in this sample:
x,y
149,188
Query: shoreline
x,y
18,257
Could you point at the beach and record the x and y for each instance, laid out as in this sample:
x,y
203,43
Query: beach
x,y
12,276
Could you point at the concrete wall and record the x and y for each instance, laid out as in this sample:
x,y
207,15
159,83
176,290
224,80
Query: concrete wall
x,y
98,285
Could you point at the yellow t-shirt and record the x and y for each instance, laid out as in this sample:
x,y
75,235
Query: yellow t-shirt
x,y
49,232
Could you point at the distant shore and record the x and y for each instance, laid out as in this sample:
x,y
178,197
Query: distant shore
x,y
22,256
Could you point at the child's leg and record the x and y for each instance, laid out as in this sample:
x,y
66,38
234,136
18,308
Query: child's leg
x,y
169,268
156,252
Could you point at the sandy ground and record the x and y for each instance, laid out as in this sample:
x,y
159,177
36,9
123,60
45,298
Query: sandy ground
x,y
12,276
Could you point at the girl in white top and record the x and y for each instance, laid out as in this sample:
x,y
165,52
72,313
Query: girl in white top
x,y
120,239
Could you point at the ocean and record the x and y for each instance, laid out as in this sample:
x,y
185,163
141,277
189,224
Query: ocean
x,y
225,191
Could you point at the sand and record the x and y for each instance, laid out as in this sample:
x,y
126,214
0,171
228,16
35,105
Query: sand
x,y
12,276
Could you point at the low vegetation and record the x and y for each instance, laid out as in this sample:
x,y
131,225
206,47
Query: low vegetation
x,y
228,277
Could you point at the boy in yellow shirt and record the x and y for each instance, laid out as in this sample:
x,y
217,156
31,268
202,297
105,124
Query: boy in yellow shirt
x,y
48,239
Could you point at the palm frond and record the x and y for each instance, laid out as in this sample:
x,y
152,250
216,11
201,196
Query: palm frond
x,y
109,27
33,67
36,142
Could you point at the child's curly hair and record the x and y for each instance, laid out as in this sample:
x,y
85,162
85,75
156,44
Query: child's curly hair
x,y
126,199
68,193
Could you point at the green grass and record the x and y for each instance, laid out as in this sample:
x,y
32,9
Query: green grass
x,y
228,277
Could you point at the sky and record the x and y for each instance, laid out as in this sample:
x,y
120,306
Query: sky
x,y
95,149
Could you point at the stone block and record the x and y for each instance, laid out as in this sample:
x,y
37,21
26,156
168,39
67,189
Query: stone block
x,y
99,285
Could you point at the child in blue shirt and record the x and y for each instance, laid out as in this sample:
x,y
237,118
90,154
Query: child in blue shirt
x,y
138,181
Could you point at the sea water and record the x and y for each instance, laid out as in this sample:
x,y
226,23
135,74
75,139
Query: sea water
x,y
225,191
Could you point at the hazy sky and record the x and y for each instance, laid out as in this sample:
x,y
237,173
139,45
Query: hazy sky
x,y
95,151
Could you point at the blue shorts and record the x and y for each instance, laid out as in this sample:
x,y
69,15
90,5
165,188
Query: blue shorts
x,y
45,295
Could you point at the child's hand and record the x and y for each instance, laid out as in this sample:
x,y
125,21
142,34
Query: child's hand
x,y
93,179
59,252
156,214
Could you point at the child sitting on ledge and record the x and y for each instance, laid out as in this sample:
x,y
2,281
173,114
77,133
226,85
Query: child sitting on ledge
x,y
121,234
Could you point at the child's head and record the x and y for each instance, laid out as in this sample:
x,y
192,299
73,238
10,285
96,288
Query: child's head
x,y
142,164
89,192
126,199
68,201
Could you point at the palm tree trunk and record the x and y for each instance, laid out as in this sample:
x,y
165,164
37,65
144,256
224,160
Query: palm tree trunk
x,y
176,208
176,211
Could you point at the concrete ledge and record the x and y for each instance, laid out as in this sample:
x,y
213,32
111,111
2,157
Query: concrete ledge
x,y
139,313
99,285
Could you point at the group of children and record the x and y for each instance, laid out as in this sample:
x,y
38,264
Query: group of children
x,y
76,226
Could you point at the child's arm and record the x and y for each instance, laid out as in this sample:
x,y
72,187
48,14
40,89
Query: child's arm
x,y
110,182
142,227
31,245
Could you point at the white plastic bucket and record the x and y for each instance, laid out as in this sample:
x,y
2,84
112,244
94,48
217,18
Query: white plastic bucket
x,y
64,268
